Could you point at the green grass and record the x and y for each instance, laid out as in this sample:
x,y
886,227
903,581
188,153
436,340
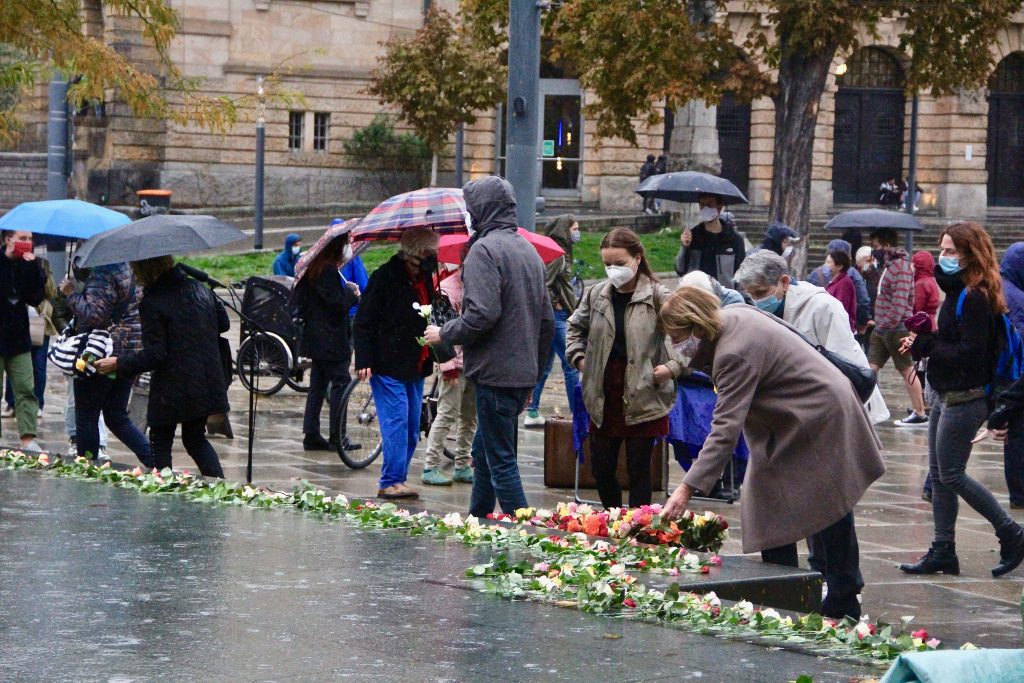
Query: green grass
x,y
661,250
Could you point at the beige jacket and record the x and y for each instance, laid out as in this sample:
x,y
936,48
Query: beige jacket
x,y
591,334
813,452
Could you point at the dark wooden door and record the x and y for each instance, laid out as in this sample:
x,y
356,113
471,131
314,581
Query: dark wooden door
x,y
733,122
1004,159
868,143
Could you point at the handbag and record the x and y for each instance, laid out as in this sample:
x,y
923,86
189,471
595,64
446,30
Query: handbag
x,y
442,311
70,348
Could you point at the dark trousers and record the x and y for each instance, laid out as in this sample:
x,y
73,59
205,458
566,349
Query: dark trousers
x,y
324,374
604,463
839,556
38,375
495,450
1013,460
193,438
96,395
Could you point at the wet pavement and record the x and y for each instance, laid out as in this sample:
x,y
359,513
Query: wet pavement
x,y
894,524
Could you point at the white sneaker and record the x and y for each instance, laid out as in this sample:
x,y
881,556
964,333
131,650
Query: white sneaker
x,y
31,447
533,419
103,457
72,449
39,413
7,412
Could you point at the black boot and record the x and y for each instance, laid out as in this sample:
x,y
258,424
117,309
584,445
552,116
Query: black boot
x,y
1011,550
941,557
314,442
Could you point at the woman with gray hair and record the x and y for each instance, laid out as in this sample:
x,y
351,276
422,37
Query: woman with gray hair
x,y
387,327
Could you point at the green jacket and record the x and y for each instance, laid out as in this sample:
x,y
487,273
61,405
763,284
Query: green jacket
x,y
559,272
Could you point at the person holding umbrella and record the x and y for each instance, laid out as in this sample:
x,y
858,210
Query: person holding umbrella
x,y
713,245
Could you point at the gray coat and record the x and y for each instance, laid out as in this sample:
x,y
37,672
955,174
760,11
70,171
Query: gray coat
x,y
813,452
507,323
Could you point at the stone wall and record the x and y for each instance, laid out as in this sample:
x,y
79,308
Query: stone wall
x,y
22,178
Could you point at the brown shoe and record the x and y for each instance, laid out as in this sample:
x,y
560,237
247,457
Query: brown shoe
x,y
410,493
396,491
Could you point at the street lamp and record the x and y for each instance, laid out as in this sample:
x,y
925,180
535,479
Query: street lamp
x,y
261,110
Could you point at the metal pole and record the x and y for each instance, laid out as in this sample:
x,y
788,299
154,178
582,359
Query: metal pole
x,y
260,143
912,170
523,107
460,150
57,163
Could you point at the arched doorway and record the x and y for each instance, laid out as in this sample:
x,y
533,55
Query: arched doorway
x,y
733,122
1004,158
868,140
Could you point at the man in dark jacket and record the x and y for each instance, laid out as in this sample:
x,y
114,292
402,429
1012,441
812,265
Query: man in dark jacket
x,y
646,171
22,284
1012,270
505,330
712,246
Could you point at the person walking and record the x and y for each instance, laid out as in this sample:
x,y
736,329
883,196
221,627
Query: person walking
x,y
713,245
646,171
505,329
894,304
841,285
49,318
813,452
617,343
389,355
285,262
109,301
181,326
323,300
961,357
565,231
456,407
22,284
926,290
1012,271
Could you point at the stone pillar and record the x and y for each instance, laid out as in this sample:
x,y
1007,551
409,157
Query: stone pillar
x,y
694,143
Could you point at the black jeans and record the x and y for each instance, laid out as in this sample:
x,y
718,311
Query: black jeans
x,y
325,373
95,395
1013,460
193,438
604,463
839,557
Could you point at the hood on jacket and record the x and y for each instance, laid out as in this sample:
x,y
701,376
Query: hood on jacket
x,y
1012,265
290,241
777,232
924,263
798,296
840,245
491,203
558,230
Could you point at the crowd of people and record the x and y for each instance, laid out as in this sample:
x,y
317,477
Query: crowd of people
x,y
742,318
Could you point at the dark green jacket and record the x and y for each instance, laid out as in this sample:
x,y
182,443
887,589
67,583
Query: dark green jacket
x,y
559,271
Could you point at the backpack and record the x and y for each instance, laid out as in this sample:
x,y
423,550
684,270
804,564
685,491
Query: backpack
x,y
1009,364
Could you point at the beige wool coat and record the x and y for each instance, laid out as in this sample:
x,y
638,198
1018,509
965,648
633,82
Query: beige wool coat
x,y
813,451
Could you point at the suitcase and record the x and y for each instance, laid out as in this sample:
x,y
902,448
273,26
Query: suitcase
x,y
560,460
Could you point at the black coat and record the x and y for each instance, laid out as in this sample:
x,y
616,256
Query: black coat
x,y
387,326
181,324
324,303
22,284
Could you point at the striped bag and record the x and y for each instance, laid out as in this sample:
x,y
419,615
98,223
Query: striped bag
x,y
69,348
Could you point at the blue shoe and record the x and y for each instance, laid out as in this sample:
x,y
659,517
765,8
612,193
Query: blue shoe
x,y
463,475
435,478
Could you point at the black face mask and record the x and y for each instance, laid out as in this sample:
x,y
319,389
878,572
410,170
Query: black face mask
x,y
428,264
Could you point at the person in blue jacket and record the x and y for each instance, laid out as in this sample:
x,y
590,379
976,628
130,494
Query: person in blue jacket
x,y
285,262
355,271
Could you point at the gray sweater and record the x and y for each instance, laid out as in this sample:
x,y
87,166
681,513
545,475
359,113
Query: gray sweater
x,y
507,324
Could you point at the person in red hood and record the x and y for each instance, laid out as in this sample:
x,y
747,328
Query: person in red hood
x,y
926,290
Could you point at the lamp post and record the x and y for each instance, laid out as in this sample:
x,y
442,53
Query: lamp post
x,y
523,110
261,110
912,171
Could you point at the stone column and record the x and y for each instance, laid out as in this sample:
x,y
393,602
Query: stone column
x,y
694,143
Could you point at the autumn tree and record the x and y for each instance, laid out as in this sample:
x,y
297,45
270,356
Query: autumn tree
x,y
438,78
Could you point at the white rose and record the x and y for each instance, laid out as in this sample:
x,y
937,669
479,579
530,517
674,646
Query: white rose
x,y
617,569
745,607
712,599
770,613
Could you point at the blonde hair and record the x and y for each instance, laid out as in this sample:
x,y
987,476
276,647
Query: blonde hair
x,y
691,309
148,271
418,241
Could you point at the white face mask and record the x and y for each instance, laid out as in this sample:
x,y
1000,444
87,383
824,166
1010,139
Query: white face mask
x,y
296,249
346,255
787,252
688,347
469,223
708,214
574,236
620,276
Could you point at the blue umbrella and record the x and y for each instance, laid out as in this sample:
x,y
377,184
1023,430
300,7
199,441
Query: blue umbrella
x,y
69,218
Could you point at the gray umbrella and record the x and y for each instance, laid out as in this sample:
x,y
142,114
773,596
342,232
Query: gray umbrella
x,y
159,235
688,186
874,219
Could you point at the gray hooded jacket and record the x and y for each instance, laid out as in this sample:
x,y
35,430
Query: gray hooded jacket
x,y
507,323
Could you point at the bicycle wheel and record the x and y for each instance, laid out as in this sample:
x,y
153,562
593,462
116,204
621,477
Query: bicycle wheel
x,y
298,378
264,362
360,440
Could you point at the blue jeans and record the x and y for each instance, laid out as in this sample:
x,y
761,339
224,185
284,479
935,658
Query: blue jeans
x,y
398,410
100,395
38,375
495,450
572,376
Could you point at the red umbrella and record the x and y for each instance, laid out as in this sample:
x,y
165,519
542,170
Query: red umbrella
x,y
452,247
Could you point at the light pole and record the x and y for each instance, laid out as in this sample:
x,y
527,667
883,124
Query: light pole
x,y
57,154
912,171
261,110
523,92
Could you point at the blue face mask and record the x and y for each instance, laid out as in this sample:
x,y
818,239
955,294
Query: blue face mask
x,y
769,304
950,265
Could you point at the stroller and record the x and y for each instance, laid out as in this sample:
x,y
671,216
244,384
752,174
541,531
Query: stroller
x,y
271,336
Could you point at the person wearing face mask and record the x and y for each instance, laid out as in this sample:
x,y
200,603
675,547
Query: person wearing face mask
x,y
323,298
565,231
617,342
713,245
389,355
813,452
285,262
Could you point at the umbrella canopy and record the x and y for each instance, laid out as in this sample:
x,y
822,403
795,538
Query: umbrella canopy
x,y
440,208
451,247
69,218
160,235
874,219
688,186
335,231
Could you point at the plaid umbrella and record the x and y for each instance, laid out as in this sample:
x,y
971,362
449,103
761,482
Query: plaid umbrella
x,y
336,230
440,208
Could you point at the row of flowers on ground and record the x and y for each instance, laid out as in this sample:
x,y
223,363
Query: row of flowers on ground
x,y
573,569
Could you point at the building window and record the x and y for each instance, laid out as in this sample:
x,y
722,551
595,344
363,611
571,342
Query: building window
x,y
321,126
296,120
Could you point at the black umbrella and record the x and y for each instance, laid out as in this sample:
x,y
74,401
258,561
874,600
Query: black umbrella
x,y
159,235
688,186
874,219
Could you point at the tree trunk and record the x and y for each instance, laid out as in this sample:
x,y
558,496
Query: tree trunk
x,y
433,170
802,80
